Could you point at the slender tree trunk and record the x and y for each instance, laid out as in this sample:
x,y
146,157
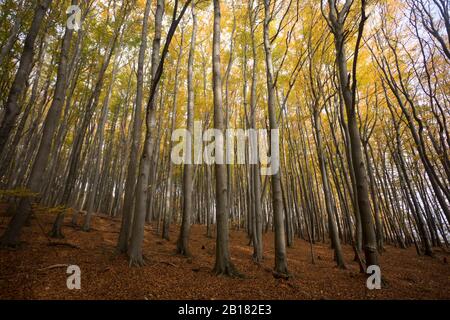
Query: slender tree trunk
x,y
130,182
223,264
327,192
170,207
277,200
183,241
255,172
98,145
376,209
348,90
137,235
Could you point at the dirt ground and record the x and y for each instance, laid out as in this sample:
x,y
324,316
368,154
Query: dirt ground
x,y
24,272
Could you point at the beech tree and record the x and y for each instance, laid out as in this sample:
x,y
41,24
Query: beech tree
x,y
348,86
183,241
277,202
223,264
137,235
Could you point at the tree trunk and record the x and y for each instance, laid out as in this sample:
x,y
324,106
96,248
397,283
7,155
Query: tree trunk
x,y
137,235
98,145
277,200
183,241
348,91
130,183
327,192
255,172
170,207
223,264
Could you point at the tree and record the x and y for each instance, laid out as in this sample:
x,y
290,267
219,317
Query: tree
x,y
223,264
336,20
122,244
317,124
255,170
137,235
277,200
168,212
183,240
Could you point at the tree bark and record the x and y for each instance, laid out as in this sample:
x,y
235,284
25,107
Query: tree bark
x,y
183,241
223,264
277,200
137,235
336,20
130,182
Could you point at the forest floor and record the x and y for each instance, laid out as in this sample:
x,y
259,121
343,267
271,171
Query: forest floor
x,y
24,272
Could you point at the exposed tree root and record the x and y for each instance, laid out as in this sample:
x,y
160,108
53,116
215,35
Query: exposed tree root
x,y
256,260
136,261
281,275
228,270
183,250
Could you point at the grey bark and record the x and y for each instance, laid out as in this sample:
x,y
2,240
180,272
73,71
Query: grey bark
x,y
130,183
168,212
137,236
183,241
223,264
277,199
336,20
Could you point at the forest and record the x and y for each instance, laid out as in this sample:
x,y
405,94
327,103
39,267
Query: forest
x,y
224,149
